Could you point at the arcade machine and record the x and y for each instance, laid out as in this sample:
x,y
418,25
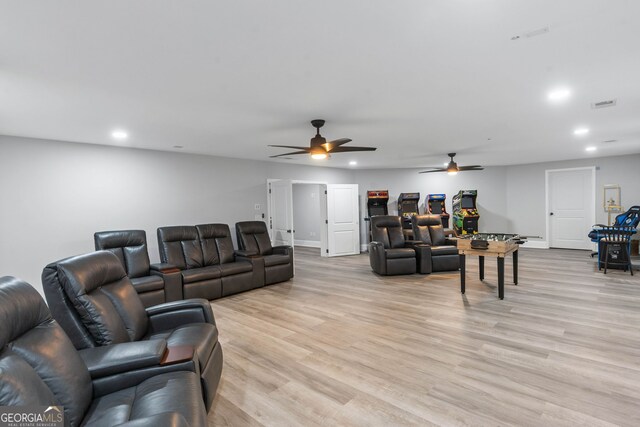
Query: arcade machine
x,y
377,202
376,205
408,207
465,213
435,205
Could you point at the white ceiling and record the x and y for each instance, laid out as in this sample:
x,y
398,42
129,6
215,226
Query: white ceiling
x,y
415,78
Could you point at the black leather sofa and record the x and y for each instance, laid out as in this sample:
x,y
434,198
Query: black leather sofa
x,y
389,252
253,240
155,283
208,264
439,253
40,366
95,303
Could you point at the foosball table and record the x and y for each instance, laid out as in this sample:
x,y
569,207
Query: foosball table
x,y
498,245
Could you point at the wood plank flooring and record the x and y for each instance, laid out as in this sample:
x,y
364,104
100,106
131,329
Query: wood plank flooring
x,y
341,346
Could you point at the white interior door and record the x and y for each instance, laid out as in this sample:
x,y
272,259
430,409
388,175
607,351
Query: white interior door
x,y
343,224
281,212
571,207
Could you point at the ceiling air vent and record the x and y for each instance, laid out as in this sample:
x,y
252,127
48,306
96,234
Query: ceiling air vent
x,y
604,104
609,141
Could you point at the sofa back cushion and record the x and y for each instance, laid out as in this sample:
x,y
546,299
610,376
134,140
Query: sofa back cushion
x,y
421,225
130,246
437,235
216,243
180,246
253,237
100,295
38,362
387,229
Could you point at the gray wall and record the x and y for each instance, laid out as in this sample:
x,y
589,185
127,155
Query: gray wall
x,y
490,183
306,214
55,195
526,189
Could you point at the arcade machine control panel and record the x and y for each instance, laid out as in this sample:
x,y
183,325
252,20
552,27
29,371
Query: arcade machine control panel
x,y
435,205
465,212
408,207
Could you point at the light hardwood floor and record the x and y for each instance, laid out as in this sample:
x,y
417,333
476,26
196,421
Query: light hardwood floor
x,y
339,346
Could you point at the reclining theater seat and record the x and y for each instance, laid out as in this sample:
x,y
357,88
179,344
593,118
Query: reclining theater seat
x,y
40,366
155,283
93,300
389,253
180,246
440,253
239,273
253,239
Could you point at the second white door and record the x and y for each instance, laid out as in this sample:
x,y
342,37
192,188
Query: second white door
x,y
343,225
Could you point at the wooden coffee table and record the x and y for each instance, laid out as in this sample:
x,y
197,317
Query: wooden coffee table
x,y
498,245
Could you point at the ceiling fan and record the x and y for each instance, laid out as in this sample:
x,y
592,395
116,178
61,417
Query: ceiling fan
x,y
320,148
453,168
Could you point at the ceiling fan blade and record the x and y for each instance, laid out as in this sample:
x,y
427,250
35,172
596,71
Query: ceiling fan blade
x,y
435,170
289,154
290,146
348,149
471,168
330,145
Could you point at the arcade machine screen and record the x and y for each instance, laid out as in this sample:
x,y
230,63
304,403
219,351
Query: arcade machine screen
x,y
465,213
408,207
377,202
435,205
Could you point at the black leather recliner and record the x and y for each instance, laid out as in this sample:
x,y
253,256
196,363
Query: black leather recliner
x,y
440,253
155,283
40,366
95,303
389,253
253,239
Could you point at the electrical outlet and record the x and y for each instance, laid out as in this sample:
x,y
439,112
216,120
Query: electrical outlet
x,y
257,206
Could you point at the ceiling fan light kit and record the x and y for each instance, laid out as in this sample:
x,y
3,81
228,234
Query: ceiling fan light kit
x,y
319,148
453,168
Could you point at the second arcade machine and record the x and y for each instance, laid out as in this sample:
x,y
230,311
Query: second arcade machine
x,y
408,207
435,204
465,213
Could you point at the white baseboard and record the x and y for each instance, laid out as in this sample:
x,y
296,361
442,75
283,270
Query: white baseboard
x,y
536,244
307,243
364,248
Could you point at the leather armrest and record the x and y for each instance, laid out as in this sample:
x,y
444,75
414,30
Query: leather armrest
x,y
424,264
164,267
377,257
451,242
282,250
257,265
118,358
171,314
412,243
165,419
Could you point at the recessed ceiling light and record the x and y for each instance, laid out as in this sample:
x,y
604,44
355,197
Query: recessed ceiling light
x,y
353,163
558,95
591,149
581,131
120,135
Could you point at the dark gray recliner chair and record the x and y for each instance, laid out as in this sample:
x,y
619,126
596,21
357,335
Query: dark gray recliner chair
x,y
440,253
389,253
253,240
155,283
40,366
239,271
95,303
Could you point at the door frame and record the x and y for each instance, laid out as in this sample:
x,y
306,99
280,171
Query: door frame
x,y
323,210
591,211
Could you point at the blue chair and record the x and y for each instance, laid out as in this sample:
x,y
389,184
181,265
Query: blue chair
x,y
628,221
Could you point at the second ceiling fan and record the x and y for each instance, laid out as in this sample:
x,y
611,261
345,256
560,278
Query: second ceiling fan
x,y
320,148
453,168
